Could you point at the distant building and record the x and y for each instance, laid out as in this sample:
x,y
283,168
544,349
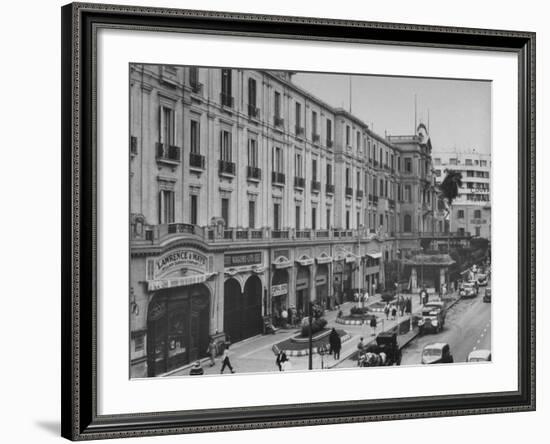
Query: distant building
x,y
471,211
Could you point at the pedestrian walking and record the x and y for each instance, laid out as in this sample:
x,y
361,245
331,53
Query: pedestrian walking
x,y
226,362
332,339
387,309
373,325
361,346
393,312
286,365
211,350
337,345
281,359
196,369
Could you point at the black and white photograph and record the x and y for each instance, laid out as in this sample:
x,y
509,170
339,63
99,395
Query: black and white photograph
x,y
293,221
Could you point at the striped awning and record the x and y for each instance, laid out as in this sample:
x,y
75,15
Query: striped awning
x,y
160,284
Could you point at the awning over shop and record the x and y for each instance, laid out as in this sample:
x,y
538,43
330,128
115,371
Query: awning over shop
x,y
305,261
323,259
438,260
376,255
160,284
282,262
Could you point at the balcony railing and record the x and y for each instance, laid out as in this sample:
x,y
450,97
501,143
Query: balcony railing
x,y
226,167
316,138
391,203
277,177
349,191
375,200
315,186
196,88
299,182
253,111
359,194
303,234
227,100
181,228
329,188
280,234
278,121
196,160
168,153
370,198
323,234
329,143
299,130
253,173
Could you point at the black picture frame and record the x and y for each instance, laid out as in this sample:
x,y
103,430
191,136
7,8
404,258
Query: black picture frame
x,y
80,420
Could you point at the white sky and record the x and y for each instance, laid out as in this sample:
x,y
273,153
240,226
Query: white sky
x,y
459,110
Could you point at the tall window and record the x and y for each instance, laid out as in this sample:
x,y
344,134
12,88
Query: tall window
x,y
252,92
225,146
381,188
408,194
478,231
374,182
226,87
195,137
347,178
313,218
348,136
313,123
460,214
166,207
298,115
225,211
298,165
358,219
407,223
328,219
194,76
297,216
277,104
358,142
329,174
276,216
277,159
252,152
358,180
194,209
381,217
398,163
166,125
314,170
251,214
477,214
408,164
329,130
347,220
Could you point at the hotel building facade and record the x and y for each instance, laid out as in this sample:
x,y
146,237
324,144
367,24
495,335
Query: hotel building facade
x,y
471,210
249,195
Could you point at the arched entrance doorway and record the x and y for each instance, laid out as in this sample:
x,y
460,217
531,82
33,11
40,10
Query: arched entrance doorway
x,y
347,280
178,323
302,289
321,286
242,311
279,294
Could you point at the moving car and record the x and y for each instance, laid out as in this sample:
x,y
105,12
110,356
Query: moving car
x,y
487,295
433,317
479,356
437,353
468,290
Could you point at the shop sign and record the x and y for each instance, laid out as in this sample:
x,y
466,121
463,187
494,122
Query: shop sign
x,y
301,284
279,290
321,280
178,259
242,259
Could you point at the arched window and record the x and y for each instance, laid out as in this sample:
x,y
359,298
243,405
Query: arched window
x,y
407,223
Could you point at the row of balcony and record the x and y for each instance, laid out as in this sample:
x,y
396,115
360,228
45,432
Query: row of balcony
x,y
155,233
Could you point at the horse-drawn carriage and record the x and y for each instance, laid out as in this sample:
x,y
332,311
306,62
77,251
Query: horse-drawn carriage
x,y
384,352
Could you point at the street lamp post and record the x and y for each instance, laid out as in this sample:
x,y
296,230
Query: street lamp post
x,y
310,364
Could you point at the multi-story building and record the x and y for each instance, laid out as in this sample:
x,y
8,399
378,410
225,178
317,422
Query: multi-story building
x,y
471,211
250,195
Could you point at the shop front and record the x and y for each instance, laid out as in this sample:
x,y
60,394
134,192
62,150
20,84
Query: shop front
x,y
279,295
178,327
321,287
302,289
242,309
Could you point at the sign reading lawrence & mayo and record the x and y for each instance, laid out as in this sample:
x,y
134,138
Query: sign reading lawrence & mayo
x,y
178,259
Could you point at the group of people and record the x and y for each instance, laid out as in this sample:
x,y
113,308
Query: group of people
x,y
212,351
287,317
402,305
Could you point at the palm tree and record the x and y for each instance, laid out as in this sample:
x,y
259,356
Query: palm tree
x,y
448,192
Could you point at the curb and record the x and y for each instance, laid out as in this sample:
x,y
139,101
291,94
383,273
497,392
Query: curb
x,y
305,352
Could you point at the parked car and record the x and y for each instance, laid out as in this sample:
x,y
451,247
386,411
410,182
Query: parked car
x,y
468,290
479,356
487,295
482,279
437,353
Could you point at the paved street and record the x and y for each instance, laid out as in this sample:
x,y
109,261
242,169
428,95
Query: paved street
x,y
256,355
467,328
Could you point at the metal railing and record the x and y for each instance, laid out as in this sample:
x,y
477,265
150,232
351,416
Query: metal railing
x,y
277,177
349,191
196,160
226,167
299,130
227,100
253,172
359,194
253,111
170,153
278,121
315,186
329,188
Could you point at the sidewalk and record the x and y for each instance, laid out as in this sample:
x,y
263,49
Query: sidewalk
x,y
255,355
